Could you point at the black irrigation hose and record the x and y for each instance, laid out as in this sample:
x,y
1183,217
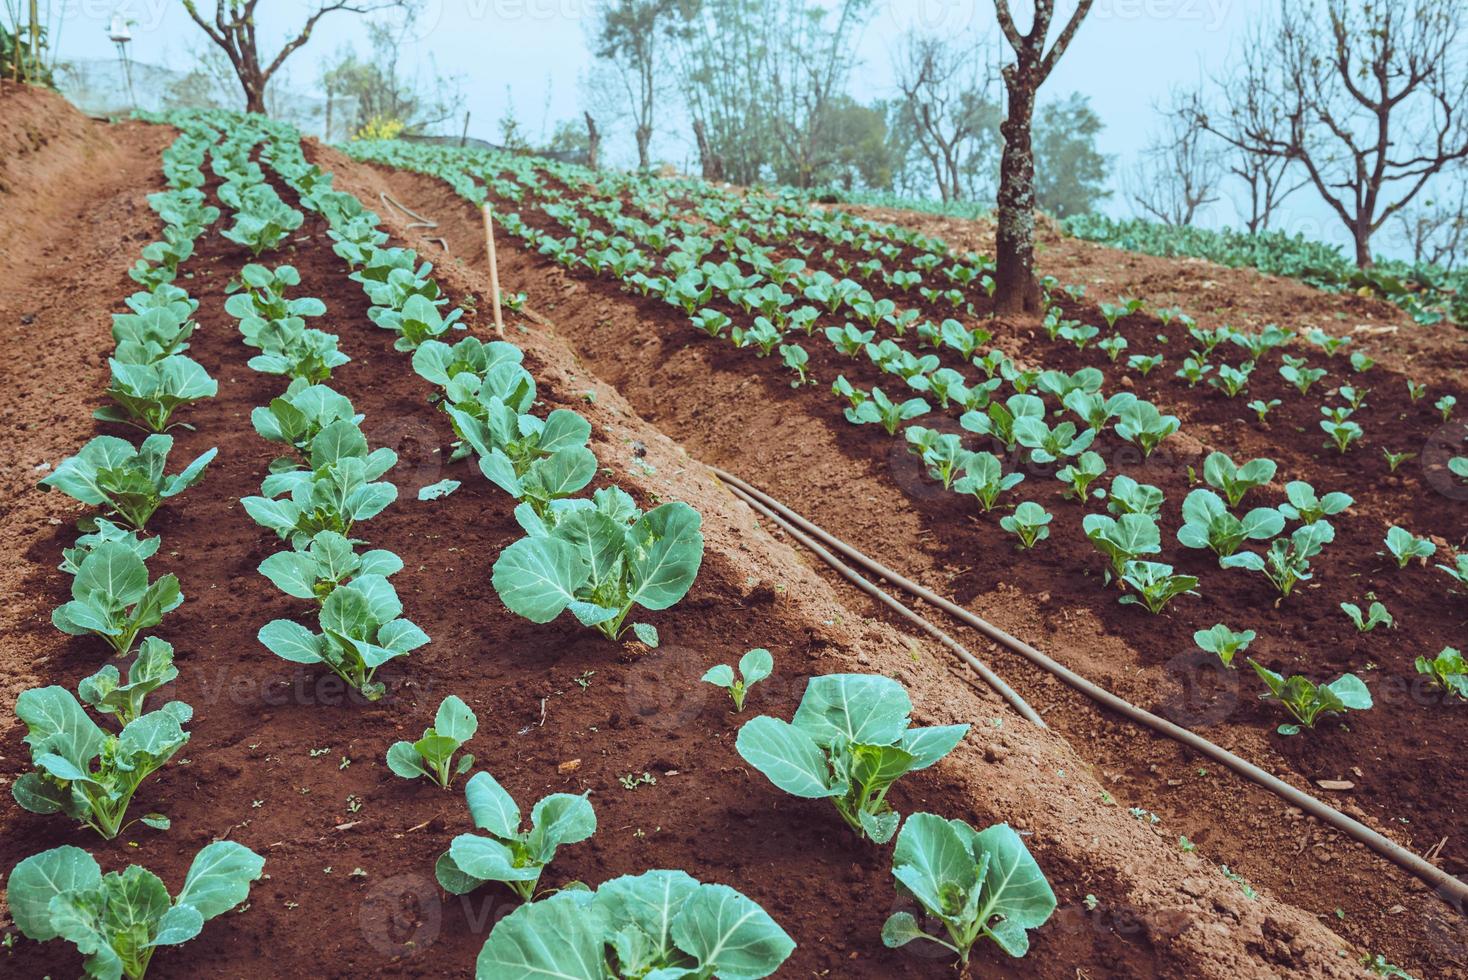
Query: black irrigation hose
x,y
419,220
988,676
1450,889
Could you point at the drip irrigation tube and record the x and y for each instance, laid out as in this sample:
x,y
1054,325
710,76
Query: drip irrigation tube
x,y
978,666
419,221
1450,889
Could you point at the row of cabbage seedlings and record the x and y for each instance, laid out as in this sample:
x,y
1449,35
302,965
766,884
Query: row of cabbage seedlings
x,y
83,769
855,725
1125,537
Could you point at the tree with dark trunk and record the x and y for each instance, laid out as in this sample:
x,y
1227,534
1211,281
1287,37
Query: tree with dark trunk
x,y
627,36
1368,100
1015,287
233,29
593,143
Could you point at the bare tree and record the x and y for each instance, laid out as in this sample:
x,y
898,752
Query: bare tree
x,y
1437,230
1179,171
593,143
945,94
629,35
1368,100
1016,290
233,29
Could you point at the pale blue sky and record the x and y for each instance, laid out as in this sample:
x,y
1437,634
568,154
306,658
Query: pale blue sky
x,y
1127,57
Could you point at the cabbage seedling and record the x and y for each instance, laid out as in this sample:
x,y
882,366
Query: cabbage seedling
x,y
508,854
1050,444
1458,466
1374,617
849,742
432,756
129,482
1235,481
1307,701
1127,496
1219,639
1112,346
1404,546
1028,523
1155,585
984,478
1263,408
326,562
754,667
147,395
1305,506
712,322
1194,369
998,420
105,531
332,497
111,597
1416,391
1287,562
1122,539
796,359
600,559
1445,405
1079,475
1207,523
360,631
120,919
85,772
151,669
1448,671
1342,434
1144,364
1296,373
849,340
1458,570
656,924
1232,380
1141,423
978,884
885,412
1395,460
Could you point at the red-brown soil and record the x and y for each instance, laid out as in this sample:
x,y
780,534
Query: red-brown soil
x,y
350,848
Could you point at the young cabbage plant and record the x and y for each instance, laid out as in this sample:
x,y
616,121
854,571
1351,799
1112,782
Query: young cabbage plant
x,y
1144,364
1080,474
105,531
533,460
147,395
1295,371
111,597
794,357
1095,410
1208,523
1405,546
326,562
887,413
1141,423
1232,380
1394,461
999,420
419,319
1342,434
130,483
432,756
1307,701
984,478
1224,642
1287,562
714,323
942,453
1375,616
659,924
1235,481
361,630
1155,585
296,418
599,559
1448,671
754,666
1445,406
1049,445
1306,507
290,348
849,742
333,494
119,920
1122,539
1086,381
106,694
1029,522
1262,408
1457,465
1127,496
976,883
154,333
506,853
1458,571
85,772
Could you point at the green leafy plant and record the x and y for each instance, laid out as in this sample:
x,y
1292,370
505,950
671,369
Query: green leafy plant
x,y
419,319
1445,406
1029,523
1458,570
849,742
130,483
148,394
296,418
882,410
505,853
1207,523
754,666
1374,617
1307,701
1448,671
1395,460
120,919
1122,539
85,772
1127,496
1305,506
1232,380
656,924
1080,474
106,693
1141,423
977,884
1049,444
1295,371
600,559
1405,546
998,420
1224,642
111,597
1287,562
432,756
1263,408
1144,364
326,561
794,357
984,478
1155,585
1233,480
943,453
1342,434
361,630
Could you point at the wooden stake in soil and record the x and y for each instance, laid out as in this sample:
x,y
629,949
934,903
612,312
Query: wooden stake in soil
x,y
494,271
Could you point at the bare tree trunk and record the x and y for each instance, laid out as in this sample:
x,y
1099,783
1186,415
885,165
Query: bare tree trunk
x,y
644,137
711,166
1016,290
593,142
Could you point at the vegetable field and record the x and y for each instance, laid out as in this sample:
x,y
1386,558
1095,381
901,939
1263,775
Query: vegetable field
x,y
352,637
